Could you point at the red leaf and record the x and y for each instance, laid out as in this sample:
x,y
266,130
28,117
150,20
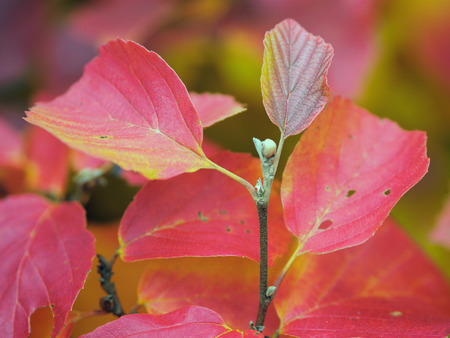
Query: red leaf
x,y
192,321
386,287
200,214
48,162
431,46
213,108
130,108
441,232
12,160
228,286
294,76
80,161
345,175
132,19
10,145
46,253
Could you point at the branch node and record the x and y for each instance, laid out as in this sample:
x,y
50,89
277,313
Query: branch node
x,y
271,291
259,187
109,303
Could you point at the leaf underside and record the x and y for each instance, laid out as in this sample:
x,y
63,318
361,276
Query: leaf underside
x,y
294,76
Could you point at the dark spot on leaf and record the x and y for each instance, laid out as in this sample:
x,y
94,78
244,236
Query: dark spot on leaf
x,y
325,224
242,221
228,229
387,192
201,217
327,188
247,231
53,305
350,136
350,193
103,136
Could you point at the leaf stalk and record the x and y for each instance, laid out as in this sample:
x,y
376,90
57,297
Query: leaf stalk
x,y
235,177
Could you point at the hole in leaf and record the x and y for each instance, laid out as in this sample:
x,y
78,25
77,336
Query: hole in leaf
x,y
350,193
387,192
325,224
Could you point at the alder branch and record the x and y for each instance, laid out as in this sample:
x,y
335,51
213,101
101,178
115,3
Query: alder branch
x,y
109,303
269,156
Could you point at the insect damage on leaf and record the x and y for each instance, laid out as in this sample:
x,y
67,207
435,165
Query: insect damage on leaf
x,y
330,176
350,193
325,224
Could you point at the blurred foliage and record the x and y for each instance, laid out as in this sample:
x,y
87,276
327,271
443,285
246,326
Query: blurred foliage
x,y
403,87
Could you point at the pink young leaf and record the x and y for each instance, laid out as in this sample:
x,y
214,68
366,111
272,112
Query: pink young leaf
x,y
191,321
384,288
226,285
129,108
46,253
200,214
213,108
349,26
294,76
345,175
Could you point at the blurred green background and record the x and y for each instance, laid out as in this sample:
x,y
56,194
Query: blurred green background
x,y
392,57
